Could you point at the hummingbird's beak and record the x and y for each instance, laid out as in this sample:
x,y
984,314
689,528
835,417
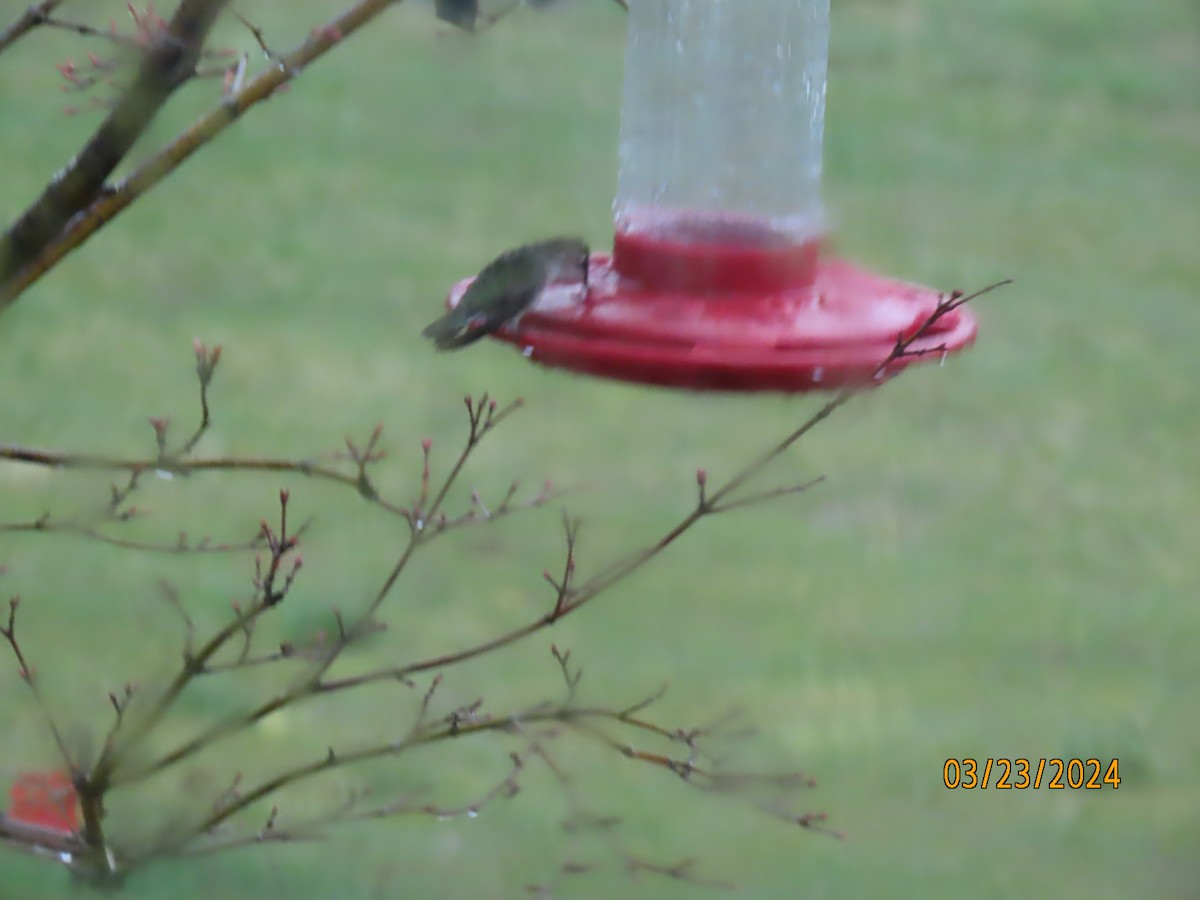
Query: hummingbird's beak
x,y
587,264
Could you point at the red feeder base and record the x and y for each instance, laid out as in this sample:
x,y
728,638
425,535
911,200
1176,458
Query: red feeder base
x,y
730,308
44,799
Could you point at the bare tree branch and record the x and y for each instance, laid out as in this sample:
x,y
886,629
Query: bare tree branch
x,y
34,16
570,597
25,258
39,840
168,63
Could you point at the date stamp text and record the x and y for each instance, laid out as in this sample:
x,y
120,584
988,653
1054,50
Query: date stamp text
x,y
1021,773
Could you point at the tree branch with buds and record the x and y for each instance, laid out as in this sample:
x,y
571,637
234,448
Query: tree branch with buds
x,y
152,733
130,755
168,62
78,201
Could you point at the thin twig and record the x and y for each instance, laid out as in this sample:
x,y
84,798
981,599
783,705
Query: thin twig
x,y
34,16
48,525
29,676
104,34
764,496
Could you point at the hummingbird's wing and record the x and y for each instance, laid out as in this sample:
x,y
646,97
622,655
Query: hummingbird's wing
x,y
451,332
469,322
501,292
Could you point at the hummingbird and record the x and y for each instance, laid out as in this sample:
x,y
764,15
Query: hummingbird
x,y
507,287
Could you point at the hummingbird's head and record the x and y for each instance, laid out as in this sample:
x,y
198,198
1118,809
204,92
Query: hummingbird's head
x,y
567,256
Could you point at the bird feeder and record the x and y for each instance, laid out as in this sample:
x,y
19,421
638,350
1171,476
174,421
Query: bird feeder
x,y
719,278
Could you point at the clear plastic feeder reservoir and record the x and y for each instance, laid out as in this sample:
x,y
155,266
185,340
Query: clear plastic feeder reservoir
x,y
717,280
721,122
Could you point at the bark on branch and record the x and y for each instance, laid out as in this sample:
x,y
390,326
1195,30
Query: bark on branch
x,y
168,63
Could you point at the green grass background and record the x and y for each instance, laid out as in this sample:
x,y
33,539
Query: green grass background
x,y
1002,562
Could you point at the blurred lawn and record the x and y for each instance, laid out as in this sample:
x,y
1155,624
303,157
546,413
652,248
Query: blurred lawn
x,y
1001,564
